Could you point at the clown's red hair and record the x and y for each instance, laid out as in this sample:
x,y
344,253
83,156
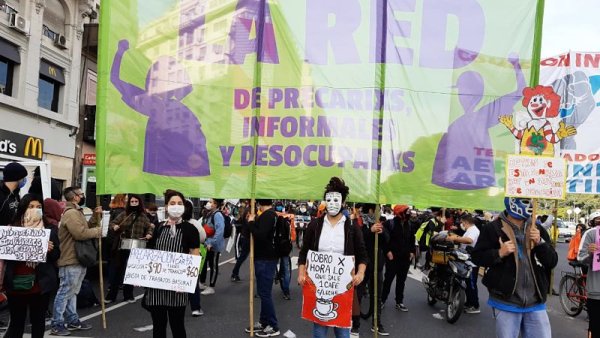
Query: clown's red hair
x,y
549,95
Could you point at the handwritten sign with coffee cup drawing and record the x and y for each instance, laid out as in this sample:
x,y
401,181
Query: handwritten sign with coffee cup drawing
x,y
162,270
536,177
328,292
24,244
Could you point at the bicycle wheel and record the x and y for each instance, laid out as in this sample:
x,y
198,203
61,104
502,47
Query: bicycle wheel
x,y
571,295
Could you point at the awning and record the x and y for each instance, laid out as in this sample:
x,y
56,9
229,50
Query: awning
x,y
52,71
10,51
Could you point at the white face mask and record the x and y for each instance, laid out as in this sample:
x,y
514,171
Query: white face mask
x,y
176,210
208,206
302,209
334,203
34,214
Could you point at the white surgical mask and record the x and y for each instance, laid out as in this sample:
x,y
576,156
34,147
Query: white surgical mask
x,y
334,203
176,210
208,206
302,209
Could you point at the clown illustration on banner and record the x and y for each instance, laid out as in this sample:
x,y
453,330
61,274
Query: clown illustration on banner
x,y
328,292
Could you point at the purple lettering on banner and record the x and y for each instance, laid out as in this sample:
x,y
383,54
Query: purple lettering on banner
x,y
256,97
326,156
226,153
337,100
323,126
275,95
408,158
308,161
319,99
320,35
247,157
289,126
275,152
354,100
247,15
185,153
291,98
471,19
272,125
262,154
394,29
460,148
241,98
307,125
292,155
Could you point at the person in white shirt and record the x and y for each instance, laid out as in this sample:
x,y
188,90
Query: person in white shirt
x,y
469,239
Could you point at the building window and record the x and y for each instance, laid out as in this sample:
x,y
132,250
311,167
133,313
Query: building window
x,y
49,33
6,76
48,93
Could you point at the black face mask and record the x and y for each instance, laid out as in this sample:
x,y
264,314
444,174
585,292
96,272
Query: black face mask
x,y
81,201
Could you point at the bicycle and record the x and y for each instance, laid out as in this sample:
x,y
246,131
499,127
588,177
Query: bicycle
x,y
572,289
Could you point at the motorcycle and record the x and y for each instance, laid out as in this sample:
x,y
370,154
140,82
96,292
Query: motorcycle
x,y
447,280
301,222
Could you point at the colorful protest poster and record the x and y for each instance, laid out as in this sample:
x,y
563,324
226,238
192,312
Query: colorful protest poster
x,y
24,244
328,293
269,99
163,270
575,76
536,177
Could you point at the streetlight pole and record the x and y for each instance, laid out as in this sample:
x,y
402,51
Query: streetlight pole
x,y
569,212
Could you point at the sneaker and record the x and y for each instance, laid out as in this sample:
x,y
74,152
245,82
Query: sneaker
x,y
130,300
108,301
472,310
268,331
59,331
380,330
197,313
208,291
79,326
286,296
354,331
257,327
401,307
235,279
202,286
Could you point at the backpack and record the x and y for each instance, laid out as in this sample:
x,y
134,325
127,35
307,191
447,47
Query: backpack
x,y
228,226
282,240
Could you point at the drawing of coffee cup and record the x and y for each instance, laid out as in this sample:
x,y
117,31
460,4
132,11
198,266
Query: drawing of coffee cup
x,y
325,306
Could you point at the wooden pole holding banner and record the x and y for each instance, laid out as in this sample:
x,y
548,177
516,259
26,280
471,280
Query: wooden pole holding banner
x,y
375,275
554,233
533,218
100,268
251,293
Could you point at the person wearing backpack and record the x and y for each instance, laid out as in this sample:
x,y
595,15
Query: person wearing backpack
x,y
215,244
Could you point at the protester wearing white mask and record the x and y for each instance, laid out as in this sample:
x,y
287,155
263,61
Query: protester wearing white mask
x,y
215,244
333,232
173,235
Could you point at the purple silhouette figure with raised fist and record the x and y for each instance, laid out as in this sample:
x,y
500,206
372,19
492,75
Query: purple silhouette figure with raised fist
x,y
175,144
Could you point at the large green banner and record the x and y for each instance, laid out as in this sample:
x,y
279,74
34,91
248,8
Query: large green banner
x,y
256,98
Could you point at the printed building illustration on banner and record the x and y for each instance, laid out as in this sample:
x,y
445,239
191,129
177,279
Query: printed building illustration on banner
x,y
575,76
328,292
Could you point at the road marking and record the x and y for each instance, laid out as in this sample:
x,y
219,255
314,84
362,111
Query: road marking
x,y
144,328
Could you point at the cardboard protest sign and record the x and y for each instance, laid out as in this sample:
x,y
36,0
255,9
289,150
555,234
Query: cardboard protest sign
x,y
328,292
163,270
535,177
24,244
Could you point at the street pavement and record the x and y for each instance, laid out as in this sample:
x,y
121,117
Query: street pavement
x,y
227,313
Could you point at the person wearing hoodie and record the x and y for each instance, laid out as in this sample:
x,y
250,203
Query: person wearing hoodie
x,y
517,256
14,178
215,244
52,213
588,249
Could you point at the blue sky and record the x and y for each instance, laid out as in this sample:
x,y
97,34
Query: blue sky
x,y
571,25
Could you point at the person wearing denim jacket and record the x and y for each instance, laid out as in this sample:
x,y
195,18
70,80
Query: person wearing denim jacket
x,y
214,244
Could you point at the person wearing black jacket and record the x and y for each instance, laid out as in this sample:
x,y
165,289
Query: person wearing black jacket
x,y
326,228
399,252
14,178
517,255
265,266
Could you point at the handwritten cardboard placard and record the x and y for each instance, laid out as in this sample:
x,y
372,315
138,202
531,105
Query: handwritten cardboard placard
x,y
163,270
328,292
24,244
536,177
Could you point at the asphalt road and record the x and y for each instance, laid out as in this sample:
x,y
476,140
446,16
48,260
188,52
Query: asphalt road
x,y
227,313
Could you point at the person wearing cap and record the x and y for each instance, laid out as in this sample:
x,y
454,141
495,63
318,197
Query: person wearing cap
x,y
517,255
587,249
15,178
399,252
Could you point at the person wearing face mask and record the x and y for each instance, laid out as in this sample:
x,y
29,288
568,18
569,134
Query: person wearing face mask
x,y
172,235
517,255
242,241
215,244
588,252
131,224
14,178
468,242
333,232
28,284
73,227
